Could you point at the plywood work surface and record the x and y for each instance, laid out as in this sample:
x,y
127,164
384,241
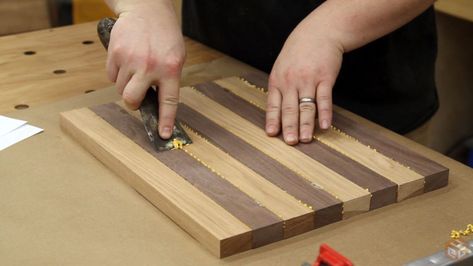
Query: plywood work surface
x,y
222,189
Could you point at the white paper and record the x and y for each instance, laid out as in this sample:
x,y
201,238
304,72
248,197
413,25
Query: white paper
x,y
17,135
8,124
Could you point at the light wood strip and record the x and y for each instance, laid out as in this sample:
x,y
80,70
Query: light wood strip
x,y
205,220
298,218
355,198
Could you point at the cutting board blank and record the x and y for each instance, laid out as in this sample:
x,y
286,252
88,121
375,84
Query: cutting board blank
x,y
234,188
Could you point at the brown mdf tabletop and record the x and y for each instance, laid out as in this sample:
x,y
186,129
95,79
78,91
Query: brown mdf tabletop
x,y
59,205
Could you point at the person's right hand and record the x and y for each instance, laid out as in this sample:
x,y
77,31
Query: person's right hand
x,y
147,48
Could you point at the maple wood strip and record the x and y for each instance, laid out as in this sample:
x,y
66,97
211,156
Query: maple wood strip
x,y
266,226
385,191
436,175
327,208
218,230
355,198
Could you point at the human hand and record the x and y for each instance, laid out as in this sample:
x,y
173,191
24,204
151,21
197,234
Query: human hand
x,y
147,48
307,66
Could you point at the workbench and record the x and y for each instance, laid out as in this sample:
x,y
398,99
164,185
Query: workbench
x,y
59,205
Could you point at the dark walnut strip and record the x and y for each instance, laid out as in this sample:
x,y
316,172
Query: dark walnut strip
x,y
266,226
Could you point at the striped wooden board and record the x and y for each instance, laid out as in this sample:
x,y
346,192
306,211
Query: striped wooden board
x,y
236,189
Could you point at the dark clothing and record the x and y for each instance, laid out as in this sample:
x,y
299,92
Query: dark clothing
x,y
389,81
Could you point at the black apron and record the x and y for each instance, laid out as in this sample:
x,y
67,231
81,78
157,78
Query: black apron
x,y
389,81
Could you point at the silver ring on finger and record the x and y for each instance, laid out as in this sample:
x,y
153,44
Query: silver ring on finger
x,y
306,100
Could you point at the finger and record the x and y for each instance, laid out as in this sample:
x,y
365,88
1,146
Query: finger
x,y
273,112
307,112
135,91
324,103
122,80
290,116
168,100
112,68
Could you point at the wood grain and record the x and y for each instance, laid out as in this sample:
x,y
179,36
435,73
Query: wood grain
x,y
266,226
221,232
327,208
355,198
383,190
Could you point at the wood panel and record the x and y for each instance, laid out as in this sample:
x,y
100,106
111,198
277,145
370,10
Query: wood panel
x,y
264,189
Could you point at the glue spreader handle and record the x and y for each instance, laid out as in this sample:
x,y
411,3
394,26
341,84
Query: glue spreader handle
x,y
104,29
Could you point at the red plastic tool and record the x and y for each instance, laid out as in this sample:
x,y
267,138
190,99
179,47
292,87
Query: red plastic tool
x,y
329,257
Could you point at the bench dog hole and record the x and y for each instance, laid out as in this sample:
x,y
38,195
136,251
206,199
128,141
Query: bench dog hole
x,y
59,71
29,53
21,106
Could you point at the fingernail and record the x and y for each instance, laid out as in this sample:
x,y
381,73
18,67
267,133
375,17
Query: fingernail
x,y
325,124
291,138
305,137
271,129
166,132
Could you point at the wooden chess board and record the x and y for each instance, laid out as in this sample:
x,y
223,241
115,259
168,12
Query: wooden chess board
x,y
234,188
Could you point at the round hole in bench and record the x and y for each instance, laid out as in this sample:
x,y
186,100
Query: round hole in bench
x,y
59,71
21,106
29,53
87,42
89,91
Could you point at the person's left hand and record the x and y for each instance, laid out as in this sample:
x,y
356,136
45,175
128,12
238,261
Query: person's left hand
x,y
307,66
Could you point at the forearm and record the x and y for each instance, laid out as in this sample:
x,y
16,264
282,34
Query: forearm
x,y
355,23
160,7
